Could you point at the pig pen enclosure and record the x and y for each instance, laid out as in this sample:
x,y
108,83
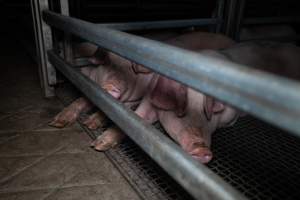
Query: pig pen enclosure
x,y
257,158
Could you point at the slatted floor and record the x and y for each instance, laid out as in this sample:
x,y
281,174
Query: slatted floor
x,y
258,159
38,162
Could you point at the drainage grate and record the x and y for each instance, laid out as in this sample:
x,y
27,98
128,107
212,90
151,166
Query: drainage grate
x,y
259,160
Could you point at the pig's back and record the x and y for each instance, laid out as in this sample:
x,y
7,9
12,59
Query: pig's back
x,y
201,40
279,58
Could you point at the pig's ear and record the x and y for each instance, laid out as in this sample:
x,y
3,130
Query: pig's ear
x,y
211,106
139,68
169,95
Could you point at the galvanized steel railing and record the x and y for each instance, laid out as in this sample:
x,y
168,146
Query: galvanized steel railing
x,y
269,97
193,176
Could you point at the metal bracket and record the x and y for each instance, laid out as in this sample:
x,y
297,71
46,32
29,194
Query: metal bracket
x,y
67,44
43,41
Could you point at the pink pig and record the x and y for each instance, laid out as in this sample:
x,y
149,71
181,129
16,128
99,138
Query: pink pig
x,y
188,116
129,82
191,117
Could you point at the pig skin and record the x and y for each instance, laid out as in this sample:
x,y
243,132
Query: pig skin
x,y
191,121
128,82
202,41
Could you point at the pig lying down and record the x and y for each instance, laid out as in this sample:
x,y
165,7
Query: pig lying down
x,y
127,82
190,117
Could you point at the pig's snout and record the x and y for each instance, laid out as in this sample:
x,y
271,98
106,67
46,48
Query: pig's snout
x,y
193,142
202,154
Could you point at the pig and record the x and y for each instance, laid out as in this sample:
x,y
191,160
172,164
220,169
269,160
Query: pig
x,y
191,41
264,32
96,56
127,82
190,117
277,58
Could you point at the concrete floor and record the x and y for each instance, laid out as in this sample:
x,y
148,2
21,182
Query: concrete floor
x,y
40,162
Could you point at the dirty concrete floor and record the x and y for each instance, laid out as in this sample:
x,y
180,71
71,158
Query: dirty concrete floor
x,y
40,162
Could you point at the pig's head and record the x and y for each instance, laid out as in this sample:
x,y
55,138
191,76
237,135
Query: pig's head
x,y
204,114
198,115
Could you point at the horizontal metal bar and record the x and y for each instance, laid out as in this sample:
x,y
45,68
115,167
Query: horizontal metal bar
x,y
130,26
81,62
193,176
271,20
269,97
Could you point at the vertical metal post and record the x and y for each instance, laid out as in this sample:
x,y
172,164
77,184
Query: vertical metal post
x,y
239,19
55,34
67,44
220,15
230,17
43,40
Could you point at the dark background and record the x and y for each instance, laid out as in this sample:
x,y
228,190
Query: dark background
x,y
15,15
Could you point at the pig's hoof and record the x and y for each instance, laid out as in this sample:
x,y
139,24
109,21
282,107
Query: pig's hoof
x,y
64,118
110,138
94,121
58,124
113,90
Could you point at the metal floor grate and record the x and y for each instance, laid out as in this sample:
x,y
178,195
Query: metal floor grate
x,y
259,160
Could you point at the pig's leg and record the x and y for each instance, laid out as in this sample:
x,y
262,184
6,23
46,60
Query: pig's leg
x,y
191,139
113,136
115,87
108,139
96,120
70,114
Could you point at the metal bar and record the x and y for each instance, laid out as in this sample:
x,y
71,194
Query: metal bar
x,y
55,33
160,24
220,15
36,38
239,19
193,176
271,20
67,44
269,97
43,42
81,62
230,18
46,41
